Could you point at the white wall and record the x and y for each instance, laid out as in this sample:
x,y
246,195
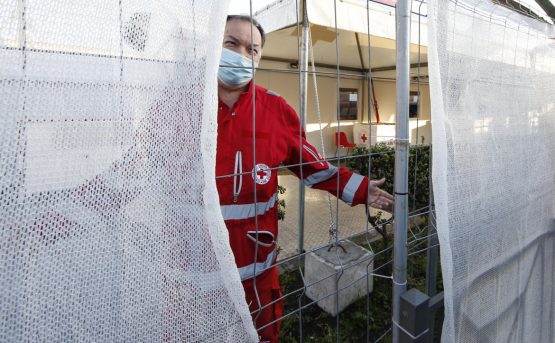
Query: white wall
x,y
386,97
287,85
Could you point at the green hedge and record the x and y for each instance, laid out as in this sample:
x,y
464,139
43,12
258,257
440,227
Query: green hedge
x,y
383,164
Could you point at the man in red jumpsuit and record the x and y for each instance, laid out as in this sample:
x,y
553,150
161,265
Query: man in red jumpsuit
x,y
252,144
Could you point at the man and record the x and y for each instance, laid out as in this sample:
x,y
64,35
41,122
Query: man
x,y
246,169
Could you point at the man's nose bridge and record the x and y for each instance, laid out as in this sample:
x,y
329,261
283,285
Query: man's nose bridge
x,y
245,50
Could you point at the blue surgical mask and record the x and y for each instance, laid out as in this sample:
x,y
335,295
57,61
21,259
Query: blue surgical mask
x,y
235,69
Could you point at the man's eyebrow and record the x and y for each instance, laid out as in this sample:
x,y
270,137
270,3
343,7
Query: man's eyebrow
x,y
236,40
231,37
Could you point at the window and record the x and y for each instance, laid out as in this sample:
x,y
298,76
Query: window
x,y
348,104
413,105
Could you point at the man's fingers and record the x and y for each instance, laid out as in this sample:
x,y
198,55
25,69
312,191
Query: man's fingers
x,y
374,188
388,196
378,197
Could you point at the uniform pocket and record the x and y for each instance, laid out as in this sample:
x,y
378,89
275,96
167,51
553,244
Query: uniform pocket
x,y
264,238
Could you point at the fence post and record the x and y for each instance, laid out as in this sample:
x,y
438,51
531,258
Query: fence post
x,y
402,17
303,85
433,248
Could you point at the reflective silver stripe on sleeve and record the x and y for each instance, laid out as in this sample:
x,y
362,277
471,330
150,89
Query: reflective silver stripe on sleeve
x,y
248,271
244,211
351,188
313,153
320,176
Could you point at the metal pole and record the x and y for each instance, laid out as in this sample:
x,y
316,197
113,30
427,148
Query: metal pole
x,y
402,18
433,248
303,81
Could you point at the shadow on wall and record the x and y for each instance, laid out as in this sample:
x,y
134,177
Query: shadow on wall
x,y
421,134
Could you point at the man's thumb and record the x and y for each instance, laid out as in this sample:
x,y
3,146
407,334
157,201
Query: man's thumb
x,y
379,182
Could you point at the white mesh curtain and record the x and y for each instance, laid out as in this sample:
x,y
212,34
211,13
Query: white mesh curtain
x,y
493,114
110,228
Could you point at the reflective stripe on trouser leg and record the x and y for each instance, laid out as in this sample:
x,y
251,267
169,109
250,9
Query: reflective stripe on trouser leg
x,y
244,211
248,271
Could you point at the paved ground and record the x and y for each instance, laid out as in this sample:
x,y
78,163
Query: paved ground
x,y
351,220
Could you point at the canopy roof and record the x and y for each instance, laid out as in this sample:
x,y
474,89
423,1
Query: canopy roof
x,y
280,20
352,15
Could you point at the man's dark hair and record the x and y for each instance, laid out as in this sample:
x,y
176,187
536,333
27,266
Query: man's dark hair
x,y
249,19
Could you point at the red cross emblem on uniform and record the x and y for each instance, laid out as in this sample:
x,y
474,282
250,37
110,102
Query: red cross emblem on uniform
x,y
363,138
261,173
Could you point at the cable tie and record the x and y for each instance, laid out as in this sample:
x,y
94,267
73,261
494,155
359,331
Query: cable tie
x,y
383,276
399,284
402,141
408,333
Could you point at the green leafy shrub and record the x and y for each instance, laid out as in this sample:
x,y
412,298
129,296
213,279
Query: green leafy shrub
x,y
382,164
281,204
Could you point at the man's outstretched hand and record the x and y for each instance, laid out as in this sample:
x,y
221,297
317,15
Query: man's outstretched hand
x,y
379,198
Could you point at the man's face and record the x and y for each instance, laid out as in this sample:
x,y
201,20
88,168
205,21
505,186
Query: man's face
x,y
237,37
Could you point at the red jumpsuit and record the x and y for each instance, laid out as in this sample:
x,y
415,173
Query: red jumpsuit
x,y
275,141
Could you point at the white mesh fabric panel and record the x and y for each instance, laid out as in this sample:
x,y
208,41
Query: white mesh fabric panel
x,y
493,113
110,228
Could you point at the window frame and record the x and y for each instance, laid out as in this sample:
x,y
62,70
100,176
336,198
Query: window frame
x,y
349,116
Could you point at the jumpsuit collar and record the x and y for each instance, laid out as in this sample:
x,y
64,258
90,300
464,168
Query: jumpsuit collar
x,y
242,97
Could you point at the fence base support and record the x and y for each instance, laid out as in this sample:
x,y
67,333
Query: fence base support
x,y
417,316
343,271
